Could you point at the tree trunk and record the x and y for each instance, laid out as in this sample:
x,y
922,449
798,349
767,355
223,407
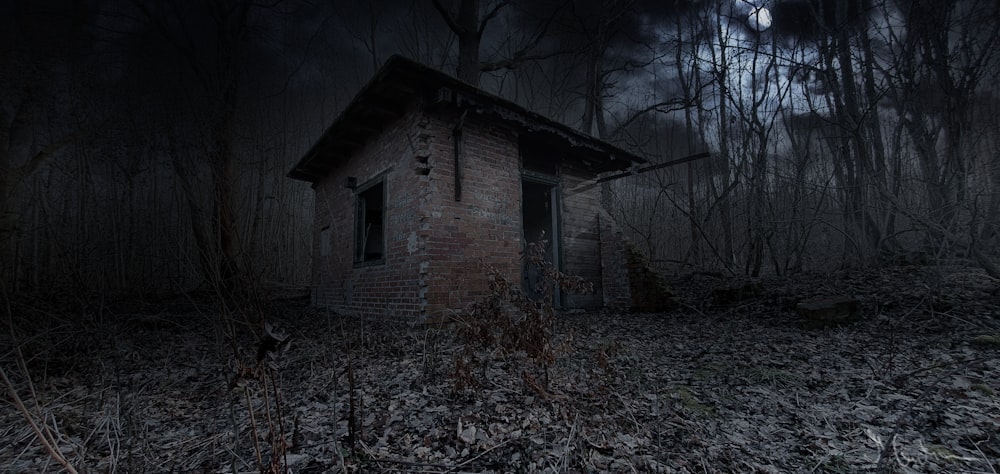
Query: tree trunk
x,y
721,65
223,164
13,176
591,90
9,216
886,216
467,28
469,39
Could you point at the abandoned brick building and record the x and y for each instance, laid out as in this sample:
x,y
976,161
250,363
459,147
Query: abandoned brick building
x,y
423,178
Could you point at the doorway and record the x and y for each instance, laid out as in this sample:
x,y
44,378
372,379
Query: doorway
x,y
540,224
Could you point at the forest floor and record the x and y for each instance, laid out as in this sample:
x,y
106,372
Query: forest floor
x,y
914,386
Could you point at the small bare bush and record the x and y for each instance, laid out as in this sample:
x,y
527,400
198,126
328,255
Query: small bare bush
x,y
506,320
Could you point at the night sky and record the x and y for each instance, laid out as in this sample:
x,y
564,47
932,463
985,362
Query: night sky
x,y
133,52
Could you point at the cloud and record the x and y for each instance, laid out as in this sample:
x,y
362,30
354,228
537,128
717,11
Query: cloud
x,y
808,19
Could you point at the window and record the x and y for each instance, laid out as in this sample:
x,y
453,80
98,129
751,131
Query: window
x,y
369,223
326,241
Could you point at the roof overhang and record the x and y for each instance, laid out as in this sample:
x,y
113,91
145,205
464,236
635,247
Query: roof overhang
x,y
401,81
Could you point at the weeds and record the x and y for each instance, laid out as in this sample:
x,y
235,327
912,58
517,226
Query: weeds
x,y
506,320
257,381
259,386
43,424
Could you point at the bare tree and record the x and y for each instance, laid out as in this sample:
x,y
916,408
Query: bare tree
x,y
937,78
468,25
720,70
599,27
37,112
211,42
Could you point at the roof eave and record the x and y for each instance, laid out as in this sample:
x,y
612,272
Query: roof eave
x,y
398,83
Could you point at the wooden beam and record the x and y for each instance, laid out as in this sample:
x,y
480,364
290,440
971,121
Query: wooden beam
x,y
584,186
686,159
456,134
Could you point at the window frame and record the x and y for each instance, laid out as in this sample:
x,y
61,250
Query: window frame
x,y
361,222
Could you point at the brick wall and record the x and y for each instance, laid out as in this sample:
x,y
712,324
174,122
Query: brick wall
x,y
391,289
581,241
614,265
629,280
485,226
437,247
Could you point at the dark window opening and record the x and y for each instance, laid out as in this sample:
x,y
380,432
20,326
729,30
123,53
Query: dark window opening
x,y
326,242
369,224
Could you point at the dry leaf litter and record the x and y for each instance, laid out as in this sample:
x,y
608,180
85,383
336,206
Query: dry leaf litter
x,y
740,387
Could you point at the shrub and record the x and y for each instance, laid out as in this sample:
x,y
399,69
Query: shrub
x,y
509,321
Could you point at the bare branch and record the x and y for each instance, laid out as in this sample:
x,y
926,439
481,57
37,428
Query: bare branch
x,y
448,18
489,16
519,58
523,55
667,106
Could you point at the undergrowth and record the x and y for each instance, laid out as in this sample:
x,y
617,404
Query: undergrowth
x,y
509,321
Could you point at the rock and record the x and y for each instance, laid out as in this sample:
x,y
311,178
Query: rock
x,y
468,435
986,341
737,292
826,311
649,290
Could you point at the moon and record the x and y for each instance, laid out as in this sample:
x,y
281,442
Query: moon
x,y
759,19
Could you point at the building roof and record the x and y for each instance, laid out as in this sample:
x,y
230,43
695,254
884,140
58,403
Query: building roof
x,y
401,81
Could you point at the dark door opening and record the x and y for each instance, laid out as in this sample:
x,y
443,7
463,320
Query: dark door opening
x,y
539,217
